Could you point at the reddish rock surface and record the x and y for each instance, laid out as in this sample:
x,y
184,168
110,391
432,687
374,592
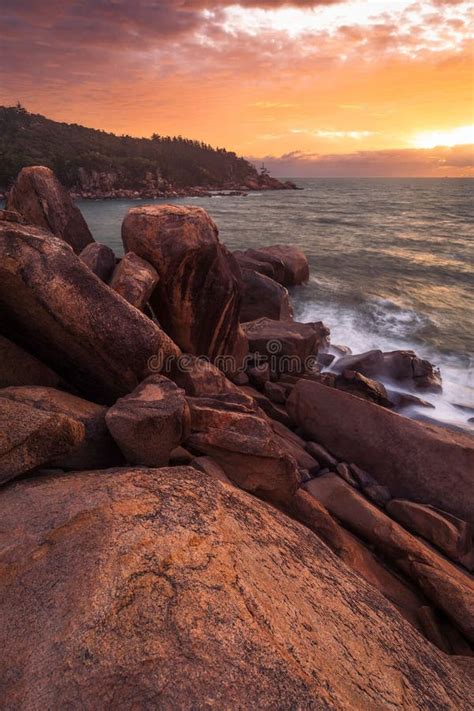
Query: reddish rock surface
x,y
262,296
30,438
150,422
166,588
100,259
17,367
197,299
411,458
134,279
446,585
399,366
350,381
42,201
284,263
71,320
97,449
230,429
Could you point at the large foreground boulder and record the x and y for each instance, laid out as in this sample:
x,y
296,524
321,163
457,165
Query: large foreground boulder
x,y
197,298
72,321
42,201
96,449
150,422
423,463
30,438
168,589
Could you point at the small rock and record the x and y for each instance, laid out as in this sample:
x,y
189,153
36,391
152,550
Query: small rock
x,y
276,392
379,494
134,279
100,259
344,471
321,455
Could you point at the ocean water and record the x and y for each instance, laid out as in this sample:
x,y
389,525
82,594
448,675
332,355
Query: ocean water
x,y
391,264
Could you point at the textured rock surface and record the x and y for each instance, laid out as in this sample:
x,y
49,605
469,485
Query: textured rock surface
x,y
70,319
448,533
41,199
97,449
17,367
167,589
30,438
197,299
289,346
283,262
231,430
446,585
412,459
399,366
150,422
262,296
134,279
100,259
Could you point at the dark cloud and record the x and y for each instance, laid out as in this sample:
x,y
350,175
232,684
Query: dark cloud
x,y
434,162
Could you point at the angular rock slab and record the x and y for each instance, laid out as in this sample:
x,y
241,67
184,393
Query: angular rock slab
x,y
42,201
97,449
285,263
167,589
197,298
263,297
134,279
30,438
423,463
150,422
72,321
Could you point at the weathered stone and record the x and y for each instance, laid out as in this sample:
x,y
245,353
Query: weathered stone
x,y
262,296
321,454
446,585
379,494
100,259
17,367
448,533
180,456
71,320
166,588
290,347
96,449
197,298
284,263
197,377
276,392
150,422
12,216
343,470
30,438
134,279
295,447
325,359
350,381
274,411
42,201
259,375
398,366
212,468
230,429
419,462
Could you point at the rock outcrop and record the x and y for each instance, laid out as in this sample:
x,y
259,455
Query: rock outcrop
x,y
100,259
411,458
147,588
445,584
402,367
150,422
134,279
284,263
197,298
71,320
96,449
30,438
263,297
42,201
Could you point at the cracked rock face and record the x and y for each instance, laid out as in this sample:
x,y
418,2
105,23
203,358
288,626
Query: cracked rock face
x,y
168,589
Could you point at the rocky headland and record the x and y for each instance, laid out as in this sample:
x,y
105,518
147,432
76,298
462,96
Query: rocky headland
x,y
204,503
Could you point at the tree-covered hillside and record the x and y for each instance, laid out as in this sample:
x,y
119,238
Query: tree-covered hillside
x,y
32,139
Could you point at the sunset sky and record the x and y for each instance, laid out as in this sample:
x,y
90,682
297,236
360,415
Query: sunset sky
x,y
361,87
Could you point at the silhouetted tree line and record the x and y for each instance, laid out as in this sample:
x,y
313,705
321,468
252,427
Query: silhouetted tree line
x,y
32,139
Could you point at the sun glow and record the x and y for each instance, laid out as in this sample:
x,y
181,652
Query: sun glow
x,y
462,135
